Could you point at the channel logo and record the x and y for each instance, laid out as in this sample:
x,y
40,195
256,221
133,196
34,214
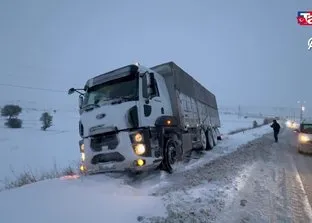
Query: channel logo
x,y
304,18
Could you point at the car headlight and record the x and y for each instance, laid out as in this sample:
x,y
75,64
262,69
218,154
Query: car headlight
x,y
304,138
139,149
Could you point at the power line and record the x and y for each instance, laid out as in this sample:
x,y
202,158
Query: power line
x,y
33,88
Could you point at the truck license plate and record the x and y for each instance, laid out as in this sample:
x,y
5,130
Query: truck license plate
x,y
107,166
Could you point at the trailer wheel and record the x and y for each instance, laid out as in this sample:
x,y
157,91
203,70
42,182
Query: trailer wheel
x,y
214,136
204,139
171,155
209,140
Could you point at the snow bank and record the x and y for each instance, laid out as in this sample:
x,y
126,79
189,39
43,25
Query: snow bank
x,y
94,199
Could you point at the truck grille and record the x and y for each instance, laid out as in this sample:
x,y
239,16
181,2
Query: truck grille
x,y
108,157
108,140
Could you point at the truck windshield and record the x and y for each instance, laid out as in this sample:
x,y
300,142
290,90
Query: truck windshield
x,y
306,128
124,89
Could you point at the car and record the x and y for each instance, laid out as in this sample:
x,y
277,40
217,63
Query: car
x,y
304,140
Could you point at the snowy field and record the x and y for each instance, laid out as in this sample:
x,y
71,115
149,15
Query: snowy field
x,y
31,149
231,122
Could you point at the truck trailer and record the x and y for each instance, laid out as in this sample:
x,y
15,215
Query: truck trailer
x,y
136,118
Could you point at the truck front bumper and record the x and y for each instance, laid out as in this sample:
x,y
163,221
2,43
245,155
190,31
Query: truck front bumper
x,y
120,157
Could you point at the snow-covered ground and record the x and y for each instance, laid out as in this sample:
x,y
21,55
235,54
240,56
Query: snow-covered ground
x,y
31,149
151,198
230,122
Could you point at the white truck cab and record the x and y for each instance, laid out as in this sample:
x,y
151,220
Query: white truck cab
x,y
132,118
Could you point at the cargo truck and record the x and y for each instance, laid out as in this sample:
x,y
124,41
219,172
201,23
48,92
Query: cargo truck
x,y
135,118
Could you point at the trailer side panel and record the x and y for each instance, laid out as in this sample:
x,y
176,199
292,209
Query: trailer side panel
x,y
191,102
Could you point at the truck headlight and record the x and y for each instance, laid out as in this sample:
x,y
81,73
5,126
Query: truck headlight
x,y
83,157
138,137
82,148
304,138
82,152
139,149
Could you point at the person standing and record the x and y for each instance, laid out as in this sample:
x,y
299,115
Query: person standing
x,y
276,128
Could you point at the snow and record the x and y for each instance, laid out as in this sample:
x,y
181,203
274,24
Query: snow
x,y
99,199
31,149
231,122
230,144
121,199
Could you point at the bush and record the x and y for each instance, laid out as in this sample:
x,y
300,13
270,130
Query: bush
x,y
28,177
254,124
46,120
11,111
14,123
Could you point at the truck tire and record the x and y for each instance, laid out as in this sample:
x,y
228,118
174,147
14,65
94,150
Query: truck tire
x,y
204,139
209,140
214,136
171,155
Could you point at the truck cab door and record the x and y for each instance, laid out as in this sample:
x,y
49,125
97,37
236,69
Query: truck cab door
x,y
152,106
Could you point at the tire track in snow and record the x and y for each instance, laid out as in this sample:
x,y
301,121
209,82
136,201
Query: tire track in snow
x,y
300,205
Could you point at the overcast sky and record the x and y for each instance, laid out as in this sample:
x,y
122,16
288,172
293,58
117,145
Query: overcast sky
x,y
246,52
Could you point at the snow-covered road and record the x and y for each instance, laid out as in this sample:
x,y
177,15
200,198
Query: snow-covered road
x,y
260,181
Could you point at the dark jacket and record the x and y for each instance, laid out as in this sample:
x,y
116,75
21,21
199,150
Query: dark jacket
x,y
276,127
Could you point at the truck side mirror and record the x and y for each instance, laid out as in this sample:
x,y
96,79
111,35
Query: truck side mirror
x,y
71,91
80,101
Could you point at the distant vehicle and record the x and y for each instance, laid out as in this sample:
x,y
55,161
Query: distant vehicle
x,y
292,124
134,118
304,143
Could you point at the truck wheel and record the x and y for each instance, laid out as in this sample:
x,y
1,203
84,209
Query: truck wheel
x,y
215,137
209,140
203,139
171,155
